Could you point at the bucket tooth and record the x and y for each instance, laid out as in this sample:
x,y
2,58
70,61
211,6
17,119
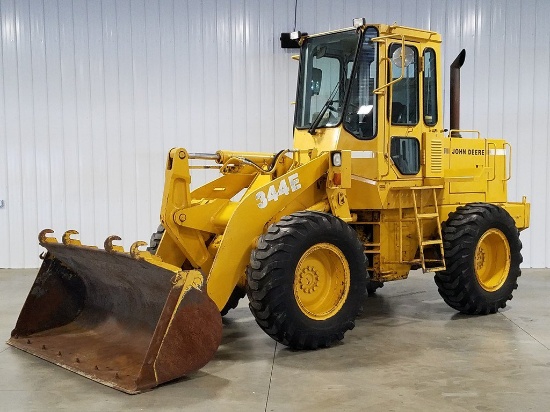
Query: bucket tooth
x,y
139,254
109,247
42,238
66,238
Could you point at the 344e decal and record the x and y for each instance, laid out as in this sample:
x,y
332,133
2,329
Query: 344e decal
x,y
288,185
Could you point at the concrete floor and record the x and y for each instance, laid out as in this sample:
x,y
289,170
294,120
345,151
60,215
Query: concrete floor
x,y
408,351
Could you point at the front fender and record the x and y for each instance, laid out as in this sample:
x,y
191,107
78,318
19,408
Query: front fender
x,y
249,220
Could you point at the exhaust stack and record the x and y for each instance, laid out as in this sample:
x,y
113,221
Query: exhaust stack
x,y
455,92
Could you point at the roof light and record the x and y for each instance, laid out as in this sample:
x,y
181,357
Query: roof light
x,y
358,22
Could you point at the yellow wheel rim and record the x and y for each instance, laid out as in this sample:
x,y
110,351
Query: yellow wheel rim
x,y
321,281
492,260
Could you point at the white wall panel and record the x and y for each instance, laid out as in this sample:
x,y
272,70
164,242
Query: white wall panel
x,y
93,94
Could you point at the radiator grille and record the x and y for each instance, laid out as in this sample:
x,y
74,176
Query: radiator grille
x,y
436,161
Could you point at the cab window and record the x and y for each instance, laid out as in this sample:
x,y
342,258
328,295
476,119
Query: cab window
x,y
405,154
404,100
429,88
325,66
362,110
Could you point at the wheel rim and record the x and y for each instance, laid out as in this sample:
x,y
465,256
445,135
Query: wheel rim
x,y
321,281
492,260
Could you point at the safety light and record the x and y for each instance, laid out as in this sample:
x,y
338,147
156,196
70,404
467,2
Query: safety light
x,y
358,22
336,159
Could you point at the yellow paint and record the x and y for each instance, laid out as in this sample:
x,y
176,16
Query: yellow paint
x,y
321,281
492,260
215,227
248,222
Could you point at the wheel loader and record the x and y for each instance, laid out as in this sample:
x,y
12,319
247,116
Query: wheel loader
x,y
373,187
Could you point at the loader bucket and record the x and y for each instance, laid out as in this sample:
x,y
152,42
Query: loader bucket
x,y
125,322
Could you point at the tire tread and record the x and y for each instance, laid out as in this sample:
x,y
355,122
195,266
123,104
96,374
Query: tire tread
x,y
267,294
458,285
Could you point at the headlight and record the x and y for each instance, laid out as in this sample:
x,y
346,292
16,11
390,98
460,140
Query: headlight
x,y
337,159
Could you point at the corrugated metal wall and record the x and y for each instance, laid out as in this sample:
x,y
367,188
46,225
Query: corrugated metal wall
x,y
93,93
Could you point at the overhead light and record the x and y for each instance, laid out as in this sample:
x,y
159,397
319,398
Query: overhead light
x,y
358,22
292,40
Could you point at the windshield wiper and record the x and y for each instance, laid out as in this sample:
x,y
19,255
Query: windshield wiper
x,y
323,110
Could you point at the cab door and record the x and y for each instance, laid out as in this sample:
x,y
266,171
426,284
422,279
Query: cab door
x,y
404,111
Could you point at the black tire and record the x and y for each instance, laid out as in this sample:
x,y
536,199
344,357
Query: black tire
x,y
373,286
155,240
472,282
237,294
272,273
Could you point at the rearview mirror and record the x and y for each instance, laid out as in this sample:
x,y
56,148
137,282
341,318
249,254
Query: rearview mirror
x,y
316,78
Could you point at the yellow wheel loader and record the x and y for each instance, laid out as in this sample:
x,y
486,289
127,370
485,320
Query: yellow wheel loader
x,y
373,187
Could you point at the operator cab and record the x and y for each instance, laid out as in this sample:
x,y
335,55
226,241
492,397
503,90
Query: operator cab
x,y
371,89
336,83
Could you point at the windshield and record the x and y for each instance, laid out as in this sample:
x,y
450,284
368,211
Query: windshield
x,y
327,63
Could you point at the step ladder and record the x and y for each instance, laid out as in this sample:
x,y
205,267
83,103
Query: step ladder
x,y
422,215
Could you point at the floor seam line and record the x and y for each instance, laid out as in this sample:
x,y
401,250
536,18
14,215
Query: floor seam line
x,y
270,376
547,348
